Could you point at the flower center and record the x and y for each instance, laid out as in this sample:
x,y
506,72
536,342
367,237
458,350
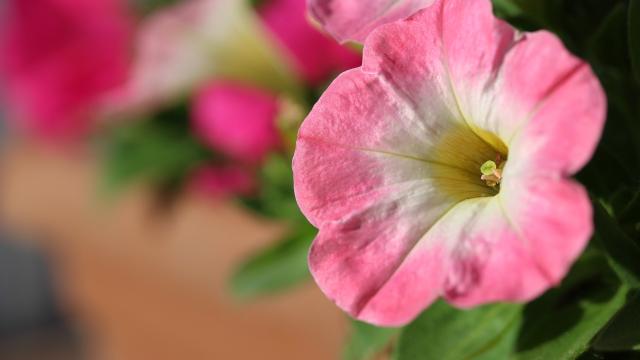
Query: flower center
x,y
492,172
468,163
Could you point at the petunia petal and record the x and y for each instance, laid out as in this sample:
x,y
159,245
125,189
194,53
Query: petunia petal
x,y
355,19
446,51
532,242
361,128
563,107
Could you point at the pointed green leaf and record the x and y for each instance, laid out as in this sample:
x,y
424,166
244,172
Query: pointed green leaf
x,y
275,269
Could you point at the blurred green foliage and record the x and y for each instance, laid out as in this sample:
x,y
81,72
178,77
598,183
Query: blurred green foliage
x,y
161,151
284,264
275,198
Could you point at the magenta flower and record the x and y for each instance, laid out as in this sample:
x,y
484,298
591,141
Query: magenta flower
x,y
355,19
58,57
440,167
221,181
237,120
315,56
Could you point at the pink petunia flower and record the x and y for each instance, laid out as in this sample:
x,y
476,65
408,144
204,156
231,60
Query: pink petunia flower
x,y
440,168
237,120
355,19
316,56
181,47
58,57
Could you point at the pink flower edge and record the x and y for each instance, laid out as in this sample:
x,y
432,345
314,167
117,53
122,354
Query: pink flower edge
x,y
354,20
315,56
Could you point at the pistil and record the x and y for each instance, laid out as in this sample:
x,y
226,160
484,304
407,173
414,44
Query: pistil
x,y
492,172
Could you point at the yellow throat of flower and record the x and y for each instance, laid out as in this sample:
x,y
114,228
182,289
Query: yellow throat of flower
x,y
468,163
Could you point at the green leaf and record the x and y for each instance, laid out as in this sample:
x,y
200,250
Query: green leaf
x,y
608,355
623,332
562,323
622,252
634,36
558,325
608,44
366,341
443,332
275,269
512,11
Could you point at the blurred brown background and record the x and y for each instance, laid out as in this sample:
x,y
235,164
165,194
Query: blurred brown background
x,y
133,282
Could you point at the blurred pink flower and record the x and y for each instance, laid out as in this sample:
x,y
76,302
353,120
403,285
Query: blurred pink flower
x,y
57,57
440,168
236,120
183,46
316,56
355,19
224,180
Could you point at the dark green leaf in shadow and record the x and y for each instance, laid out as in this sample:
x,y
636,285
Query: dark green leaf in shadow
x,y
562,323
512,11
608,45
623,332
366,341
634,36
622,252
445,333
275,269
608,355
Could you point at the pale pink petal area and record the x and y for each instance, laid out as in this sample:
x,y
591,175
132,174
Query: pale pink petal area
x,y
419,274
316,56
168,55
355,19
448,51
58,58
237,120
351,185
221,181
561,117
386,283
387,162
360,143
523,242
